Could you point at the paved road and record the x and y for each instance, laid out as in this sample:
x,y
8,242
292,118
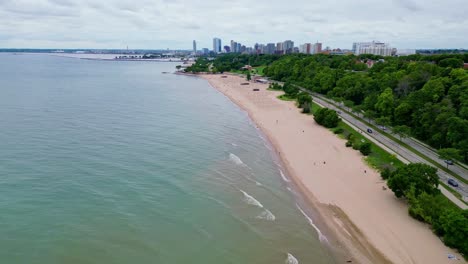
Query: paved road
x,y
432,154
390,144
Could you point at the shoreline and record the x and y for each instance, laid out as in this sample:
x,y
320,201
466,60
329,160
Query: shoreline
x,y
346,216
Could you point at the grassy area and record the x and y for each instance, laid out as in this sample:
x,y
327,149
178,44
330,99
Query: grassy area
x,y
237,71
314,107
259,70
271,89
379,158
284,97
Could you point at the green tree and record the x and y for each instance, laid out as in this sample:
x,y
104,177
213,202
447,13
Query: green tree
x,y
402,131
449,154
303,98
451,62
455,227
249,77
326,117
421,177
385,102
365,148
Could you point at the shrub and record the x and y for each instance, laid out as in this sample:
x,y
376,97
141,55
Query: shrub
x,y
326,117
349,144
338,130
365,148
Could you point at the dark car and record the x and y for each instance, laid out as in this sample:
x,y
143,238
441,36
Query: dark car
x,y
449,162
453,182
369,130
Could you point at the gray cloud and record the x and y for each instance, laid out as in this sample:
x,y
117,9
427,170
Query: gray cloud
x,y
409,4
175,23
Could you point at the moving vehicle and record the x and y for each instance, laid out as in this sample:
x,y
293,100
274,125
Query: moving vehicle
x,y
453,182
369,131
449,162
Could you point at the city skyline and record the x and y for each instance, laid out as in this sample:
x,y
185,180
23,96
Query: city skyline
x,y
145,24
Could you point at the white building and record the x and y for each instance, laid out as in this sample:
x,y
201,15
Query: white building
x,y
217,45
375,48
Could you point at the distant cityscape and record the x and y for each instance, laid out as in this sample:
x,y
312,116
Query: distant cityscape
x,y
232,46
289,47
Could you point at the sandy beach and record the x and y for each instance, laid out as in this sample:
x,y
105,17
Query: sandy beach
x,y
370,225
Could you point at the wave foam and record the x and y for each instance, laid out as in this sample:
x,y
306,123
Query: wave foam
x,y
235,159
283,176
267,215
250,200
291,259
322,237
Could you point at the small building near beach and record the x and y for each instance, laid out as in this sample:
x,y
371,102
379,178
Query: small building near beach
x,y
247,67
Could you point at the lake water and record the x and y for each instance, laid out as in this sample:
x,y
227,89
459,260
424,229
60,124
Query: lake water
x,y
115,162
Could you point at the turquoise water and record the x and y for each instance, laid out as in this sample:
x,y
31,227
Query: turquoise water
x,y
115,162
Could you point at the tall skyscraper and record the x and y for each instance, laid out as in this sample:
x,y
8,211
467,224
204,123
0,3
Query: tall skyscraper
x,y
194,47
217,45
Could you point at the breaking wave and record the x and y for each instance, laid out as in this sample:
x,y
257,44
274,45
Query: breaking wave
x,y
322,237
235,159
283,176
250,200
267,215
291,259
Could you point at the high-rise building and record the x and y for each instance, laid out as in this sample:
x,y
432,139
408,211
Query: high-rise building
x,y
205,51
194,47
375,48
260,49
238,47
270,48
306,48
217,45
279,48
317,48
233,46
288,47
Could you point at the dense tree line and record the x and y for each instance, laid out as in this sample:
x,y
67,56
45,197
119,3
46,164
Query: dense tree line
x,y
234,61
427,94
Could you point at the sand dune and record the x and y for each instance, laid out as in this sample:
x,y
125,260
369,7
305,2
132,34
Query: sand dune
x,y
369,223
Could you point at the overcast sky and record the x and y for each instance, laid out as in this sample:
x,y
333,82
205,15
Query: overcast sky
x,y
154,24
